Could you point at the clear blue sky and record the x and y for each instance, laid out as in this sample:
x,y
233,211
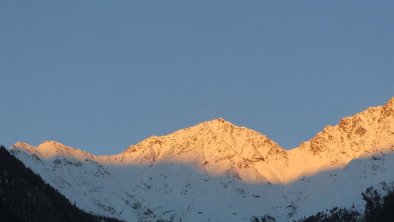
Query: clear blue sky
x,y
102,75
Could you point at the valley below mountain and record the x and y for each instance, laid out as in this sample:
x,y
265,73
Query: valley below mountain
x,y
217,171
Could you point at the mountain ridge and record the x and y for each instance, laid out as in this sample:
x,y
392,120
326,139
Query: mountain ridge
x,y
218,146
216,166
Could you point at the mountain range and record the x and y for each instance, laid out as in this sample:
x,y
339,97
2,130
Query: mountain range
x,y
217,171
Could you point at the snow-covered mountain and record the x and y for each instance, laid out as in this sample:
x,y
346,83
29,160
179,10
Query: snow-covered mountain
x,y
216,171
215,147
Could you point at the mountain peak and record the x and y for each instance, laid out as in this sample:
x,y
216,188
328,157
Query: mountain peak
x,y
22,145
388,108
51,143
218,121
50,148
390,102
217,146
47,147
356,134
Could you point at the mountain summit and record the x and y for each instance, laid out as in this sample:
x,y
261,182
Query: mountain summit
x,y
217,147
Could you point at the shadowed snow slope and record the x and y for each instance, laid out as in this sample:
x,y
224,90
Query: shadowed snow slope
x,y
221,172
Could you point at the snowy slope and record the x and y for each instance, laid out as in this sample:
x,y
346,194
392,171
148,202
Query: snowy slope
x,y
81,179
217,171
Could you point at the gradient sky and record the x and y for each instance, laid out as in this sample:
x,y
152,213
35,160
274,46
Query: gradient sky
x,y
102,75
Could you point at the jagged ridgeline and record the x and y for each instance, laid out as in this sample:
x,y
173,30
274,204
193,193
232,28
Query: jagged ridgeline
x,y
24,196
